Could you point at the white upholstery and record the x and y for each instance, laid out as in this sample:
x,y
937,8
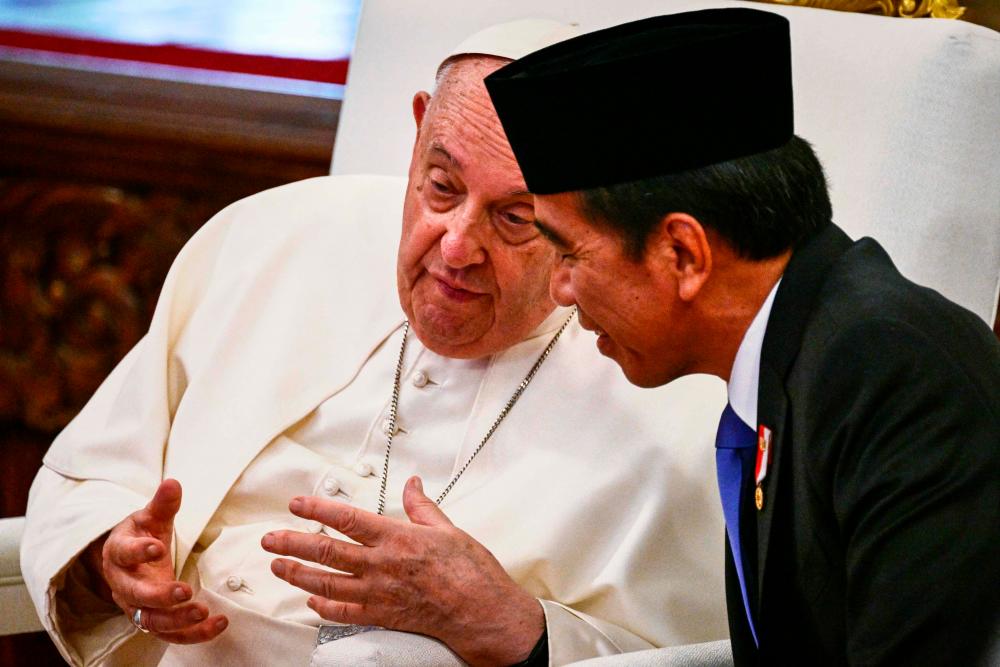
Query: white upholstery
x,y
707,654
903,113
17,613
369,650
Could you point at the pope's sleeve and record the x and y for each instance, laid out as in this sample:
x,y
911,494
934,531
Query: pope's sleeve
x,y
108,461
574,635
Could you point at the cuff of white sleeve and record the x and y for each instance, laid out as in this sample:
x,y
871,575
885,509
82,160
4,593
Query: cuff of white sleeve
x,y
576,636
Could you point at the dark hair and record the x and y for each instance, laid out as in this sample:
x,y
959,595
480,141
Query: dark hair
x,y
761,204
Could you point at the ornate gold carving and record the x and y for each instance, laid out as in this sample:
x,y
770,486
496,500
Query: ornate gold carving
x,y
938,9
80,270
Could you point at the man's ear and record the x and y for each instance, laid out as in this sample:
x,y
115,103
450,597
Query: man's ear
x,y
684,247
420,103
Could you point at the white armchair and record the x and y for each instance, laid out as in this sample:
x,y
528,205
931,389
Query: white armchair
x,y
18,613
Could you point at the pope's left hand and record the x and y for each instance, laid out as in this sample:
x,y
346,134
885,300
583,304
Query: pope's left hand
x,y
424,576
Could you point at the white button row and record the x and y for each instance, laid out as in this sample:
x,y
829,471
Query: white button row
x,y
420,379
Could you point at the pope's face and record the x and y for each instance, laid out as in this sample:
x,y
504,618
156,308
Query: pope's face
x,y
629,303
472,270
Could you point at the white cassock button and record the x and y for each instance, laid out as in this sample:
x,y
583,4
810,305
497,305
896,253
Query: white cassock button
x,y
331,486
420,379
387,427
363,469
234,583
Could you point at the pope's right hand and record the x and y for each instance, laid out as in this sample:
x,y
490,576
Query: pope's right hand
x,y
135,563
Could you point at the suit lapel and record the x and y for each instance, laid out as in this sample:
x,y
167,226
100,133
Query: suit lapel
x,y
794,303
772,411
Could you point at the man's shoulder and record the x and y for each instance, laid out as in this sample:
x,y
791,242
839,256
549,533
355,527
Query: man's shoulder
x,y
874,339
334,216
346,188
875,336
324,200
865,299
336,230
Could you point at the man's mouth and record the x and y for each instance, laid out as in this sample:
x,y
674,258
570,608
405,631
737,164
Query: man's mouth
x,y
455,290
591,326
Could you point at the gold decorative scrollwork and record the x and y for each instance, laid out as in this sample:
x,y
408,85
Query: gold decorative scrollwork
x,y
938,9
80,269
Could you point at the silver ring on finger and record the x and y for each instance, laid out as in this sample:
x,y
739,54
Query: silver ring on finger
x,y
137,620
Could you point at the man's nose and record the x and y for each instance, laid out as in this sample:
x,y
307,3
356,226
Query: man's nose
x,y
461,244
560,287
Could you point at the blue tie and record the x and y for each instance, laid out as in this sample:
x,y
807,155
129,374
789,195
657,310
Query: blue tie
x,y
734,450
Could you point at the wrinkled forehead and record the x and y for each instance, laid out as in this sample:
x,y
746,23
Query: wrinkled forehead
x,y
461,123
460,79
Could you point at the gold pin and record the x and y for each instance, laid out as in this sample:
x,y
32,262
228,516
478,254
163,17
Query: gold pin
x,y
758,497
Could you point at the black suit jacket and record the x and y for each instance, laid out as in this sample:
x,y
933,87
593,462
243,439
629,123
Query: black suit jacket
x,y
879,538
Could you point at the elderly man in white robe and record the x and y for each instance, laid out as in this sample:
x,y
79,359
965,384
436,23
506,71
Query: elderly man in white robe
x,y
305,414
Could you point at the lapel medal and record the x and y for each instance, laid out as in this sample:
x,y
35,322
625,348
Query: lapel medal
x,y
760,472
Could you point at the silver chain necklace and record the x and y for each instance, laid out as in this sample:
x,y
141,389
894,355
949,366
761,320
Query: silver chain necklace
x,y
394,407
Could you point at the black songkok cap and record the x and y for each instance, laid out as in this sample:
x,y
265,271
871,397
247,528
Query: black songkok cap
x,y
656,96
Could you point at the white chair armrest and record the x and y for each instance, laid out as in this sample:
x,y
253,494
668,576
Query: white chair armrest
x,y
19,613
707,654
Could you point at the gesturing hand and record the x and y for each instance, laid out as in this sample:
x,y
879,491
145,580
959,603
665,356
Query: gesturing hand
x,y
136,565
423,576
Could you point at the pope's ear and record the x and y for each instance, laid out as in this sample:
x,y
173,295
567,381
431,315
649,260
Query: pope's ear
x,y
420,102
685,249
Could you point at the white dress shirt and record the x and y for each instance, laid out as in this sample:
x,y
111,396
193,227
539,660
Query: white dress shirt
x,y
745,376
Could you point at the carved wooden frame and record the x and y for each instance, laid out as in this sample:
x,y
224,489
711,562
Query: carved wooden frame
x,y
939,9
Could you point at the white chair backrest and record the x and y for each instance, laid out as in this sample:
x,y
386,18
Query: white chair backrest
x,y
904,114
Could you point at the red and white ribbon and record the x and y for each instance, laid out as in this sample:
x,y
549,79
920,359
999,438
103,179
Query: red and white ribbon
x,y
763,452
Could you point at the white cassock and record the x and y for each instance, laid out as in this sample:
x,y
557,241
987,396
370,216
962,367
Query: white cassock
x,y
267,373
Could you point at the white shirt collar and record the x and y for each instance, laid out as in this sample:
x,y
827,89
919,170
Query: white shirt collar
x,y
553,321
744,378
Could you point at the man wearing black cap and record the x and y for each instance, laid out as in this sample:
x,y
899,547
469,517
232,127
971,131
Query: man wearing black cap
x,y
858,455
